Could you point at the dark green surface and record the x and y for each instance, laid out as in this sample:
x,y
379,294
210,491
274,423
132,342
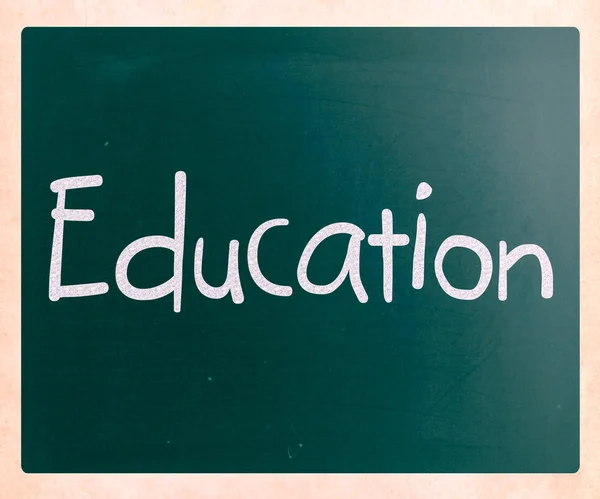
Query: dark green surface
x,y
317,126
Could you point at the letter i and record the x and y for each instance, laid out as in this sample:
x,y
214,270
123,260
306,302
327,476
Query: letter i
x,y
418,275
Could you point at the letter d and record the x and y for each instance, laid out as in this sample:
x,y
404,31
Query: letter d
x,y
175,244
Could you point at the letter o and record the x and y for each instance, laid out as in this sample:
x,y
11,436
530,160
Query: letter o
x,y
487,267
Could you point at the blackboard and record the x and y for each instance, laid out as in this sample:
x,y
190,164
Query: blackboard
x,y
474,132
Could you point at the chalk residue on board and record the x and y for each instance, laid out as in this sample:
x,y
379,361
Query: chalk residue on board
x,y
291,454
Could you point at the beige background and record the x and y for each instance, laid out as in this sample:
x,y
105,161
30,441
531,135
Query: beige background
x,y
16,14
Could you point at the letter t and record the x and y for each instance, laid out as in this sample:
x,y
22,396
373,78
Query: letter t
x,y
387,240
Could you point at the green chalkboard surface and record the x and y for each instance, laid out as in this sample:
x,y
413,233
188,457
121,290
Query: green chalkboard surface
x,y
365,253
